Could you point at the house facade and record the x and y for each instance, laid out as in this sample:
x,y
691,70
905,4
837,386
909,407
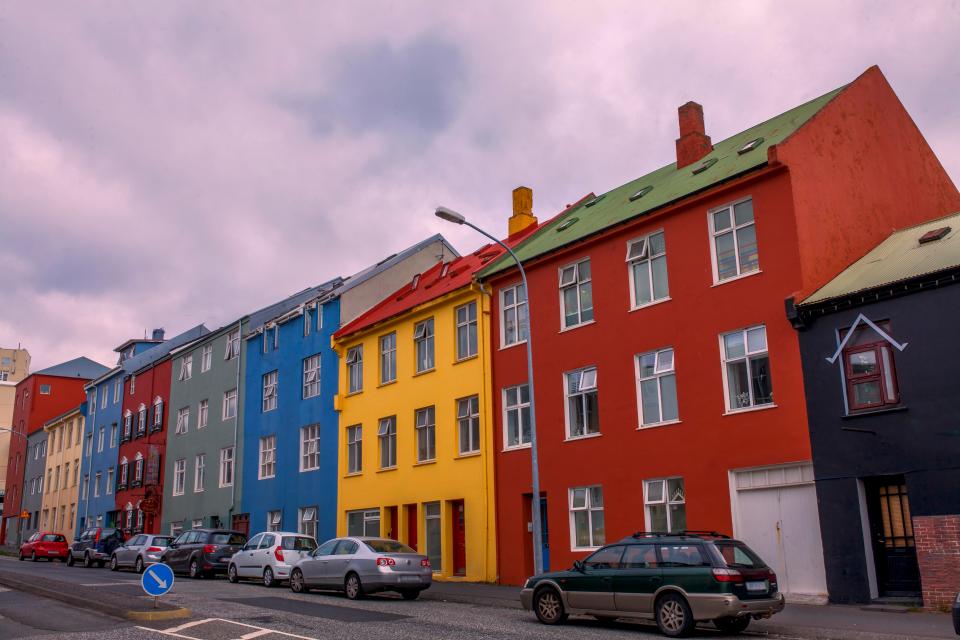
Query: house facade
x,y
669,393
14,367
61,488
35,481
290,425
877,346
39,397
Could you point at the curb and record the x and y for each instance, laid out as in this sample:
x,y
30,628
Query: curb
x,y
18,584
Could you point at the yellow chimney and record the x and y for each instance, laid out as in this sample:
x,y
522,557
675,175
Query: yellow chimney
x,y
522,210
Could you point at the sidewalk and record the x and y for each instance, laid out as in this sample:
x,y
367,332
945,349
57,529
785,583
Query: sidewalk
x,y
829,622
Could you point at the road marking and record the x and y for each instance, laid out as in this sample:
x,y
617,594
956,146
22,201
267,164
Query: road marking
x,y
103,584
257,632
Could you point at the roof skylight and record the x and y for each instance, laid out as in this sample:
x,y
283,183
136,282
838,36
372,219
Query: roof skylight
x,y
934,235
750,146
639,194
595,201
703,166
569,222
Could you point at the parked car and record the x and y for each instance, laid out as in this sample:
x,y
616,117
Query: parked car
x,y
139,551
359,566
95,545
677,579
203,552
270,557
44,544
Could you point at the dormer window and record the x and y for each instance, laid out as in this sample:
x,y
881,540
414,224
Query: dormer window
x,y
868,368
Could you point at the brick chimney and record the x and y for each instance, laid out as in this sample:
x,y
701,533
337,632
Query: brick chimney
x,y
693,142
522,210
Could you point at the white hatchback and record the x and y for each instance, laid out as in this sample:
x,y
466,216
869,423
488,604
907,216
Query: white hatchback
x,y
270,556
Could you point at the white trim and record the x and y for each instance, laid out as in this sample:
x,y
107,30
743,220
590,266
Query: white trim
x,y
576,285
735,278
869,559
872,325
759,407
714,266
514,285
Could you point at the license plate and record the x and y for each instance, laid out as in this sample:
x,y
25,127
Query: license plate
x,y
757,585
409,579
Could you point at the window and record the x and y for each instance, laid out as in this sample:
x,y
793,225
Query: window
x,y
432,527
647,262
45,391
226,467
310,447
868,367
116,391
230,404
516,416
586,517
157,414
270,391
468,424
114,434
307,323
108,487
582,408
274,519
466,330
608,558
355,449
122,476
576,294
186,368
183,420
84,488
133,384
127,426
233,345
364,523
101,436
104,396
747,368
268,457
92,401
307,524
682,555
142,420
206,358
665,505
423,345
734,241
199,472
387,435
311,376
203,413
176,528
196,523
388,358
355,369
179,476
426,434
138,470
513,301
656,387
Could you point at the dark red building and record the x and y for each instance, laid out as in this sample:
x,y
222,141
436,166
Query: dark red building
x,y
669,388
40,396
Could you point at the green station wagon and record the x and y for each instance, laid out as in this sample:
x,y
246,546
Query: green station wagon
x,y
678,579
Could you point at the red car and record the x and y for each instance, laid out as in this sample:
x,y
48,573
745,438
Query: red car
x,y
44,544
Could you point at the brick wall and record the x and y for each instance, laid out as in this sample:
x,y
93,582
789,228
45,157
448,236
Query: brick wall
x,y
938,553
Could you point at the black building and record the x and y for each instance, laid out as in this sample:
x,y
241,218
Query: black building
x,y
880,348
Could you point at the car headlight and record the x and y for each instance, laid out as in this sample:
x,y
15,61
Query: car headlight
x,y
528,584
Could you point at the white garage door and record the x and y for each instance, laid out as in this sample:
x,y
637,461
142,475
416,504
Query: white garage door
x,y
775,512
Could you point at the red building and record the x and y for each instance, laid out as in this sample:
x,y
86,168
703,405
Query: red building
x,y
669,390
40,397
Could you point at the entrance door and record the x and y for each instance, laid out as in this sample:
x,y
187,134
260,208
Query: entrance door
x,y
241,523
391,529
411,526
459,539
891,531
545,534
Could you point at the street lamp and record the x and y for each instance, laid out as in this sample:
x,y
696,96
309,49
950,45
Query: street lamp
x,y
452,216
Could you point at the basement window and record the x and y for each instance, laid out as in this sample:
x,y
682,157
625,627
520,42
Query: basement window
x,y
706,164
639,194
936,234
750,146
569,222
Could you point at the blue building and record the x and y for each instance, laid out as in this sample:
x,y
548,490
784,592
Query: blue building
x,y
101,442
290,425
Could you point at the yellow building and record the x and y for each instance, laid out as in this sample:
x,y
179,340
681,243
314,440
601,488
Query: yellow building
x,y
61,488
14,367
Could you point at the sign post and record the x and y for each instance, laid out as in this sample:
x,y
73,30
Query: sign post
x,y
157,581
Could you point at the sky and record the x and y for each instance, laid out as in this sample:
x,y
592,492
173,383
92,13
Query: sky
x,y
164,164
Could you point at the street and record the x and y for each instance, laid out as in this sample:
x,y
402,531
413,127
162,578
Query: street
x,y
224,611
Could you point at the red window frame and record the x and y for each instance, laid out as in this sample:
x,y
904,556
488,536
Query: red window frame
x,y
887,379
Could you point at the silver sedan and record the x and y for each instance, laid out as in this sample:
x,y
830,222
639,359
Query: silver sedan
x,y
358,566
138,552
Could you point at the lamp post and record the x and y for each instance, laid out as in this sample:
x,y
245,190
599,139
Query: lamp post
x,y
452,216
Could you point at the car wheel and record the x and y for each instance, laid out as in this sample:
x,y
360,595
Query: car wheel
x,y
87,561
114,565
70,560
268,579
674,617
548,606
732,625
410,594
297,583
232,574
138,565
33,556
352,586
195,570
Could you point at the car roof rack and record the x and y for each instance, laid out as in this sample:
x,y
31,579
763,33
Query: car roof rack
x,y
686,533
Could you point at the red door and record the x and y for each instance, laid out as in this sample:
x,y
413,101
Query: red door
x,y
459,539
412,525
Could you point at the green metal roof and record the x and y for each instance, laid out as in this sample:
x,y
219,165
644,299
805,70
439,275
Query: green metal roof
x,y
668,185
900,257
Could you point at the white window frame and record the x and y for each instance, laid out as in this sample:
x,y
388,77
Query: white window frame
x,y
199,472
179,476
733,228
748,354
268,458
133,384
101,438
311,376
354,441
104,396
203,413
307,521
514,310
183,420
114,436
206,358
354,361
465,322
186,368
310,447
229,402
157,414
586,376
644,254
387,435
660,372
388,357
518,408
468,418
274,520
233,345
271,380
579,283
117,386
665,500
590,509
227,467
109,486
426,428
424,337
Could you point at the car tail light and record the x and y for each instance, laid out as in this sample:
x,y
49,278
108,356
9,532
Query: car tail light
x,y
771,576
96,539
278,554
154,549
727,575
209,548
425,562
386,562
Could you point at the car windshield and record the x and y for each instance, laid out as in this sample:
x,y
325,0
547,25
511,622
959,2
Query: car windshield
x,y
738,555
161,541
106,533
228,538
54,537
298,543
387,546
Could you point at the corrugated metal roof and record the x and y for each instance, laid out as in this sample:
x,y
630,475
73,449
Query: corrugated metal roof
x,y
81,367
668,184
153,354
900,257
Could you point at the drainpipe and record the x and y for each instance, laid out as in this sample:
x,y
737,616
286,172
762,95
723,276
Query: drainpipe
x,y
236,425
83,443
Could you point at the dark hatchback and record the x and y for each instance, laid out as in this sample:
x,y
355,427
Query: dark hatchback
x,y
203,552
94,545
676,579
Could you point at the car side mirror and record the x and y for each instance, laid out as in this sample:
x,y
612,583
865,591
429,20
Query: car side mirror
x,y
173,545
579,566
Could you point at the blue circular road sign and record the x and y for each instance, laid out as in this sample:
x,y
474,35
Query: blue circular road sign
x,y
157,580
